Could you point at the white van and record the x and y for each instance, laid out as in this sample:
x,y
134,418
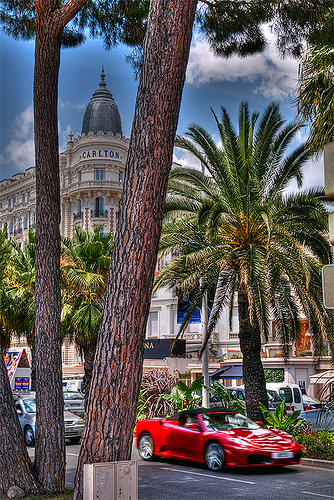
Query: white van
x,y
290,393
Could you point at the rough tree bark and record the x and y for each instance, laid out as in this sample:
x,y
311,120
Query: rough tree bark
x,y
50,433
250,345
15,466
119,357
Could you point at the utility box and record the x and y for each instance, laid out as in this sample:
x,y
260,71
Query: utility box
x,y
111,481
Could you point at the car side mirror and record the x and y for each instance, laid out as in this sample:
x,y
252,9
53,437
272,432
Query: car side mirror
x,y
193,427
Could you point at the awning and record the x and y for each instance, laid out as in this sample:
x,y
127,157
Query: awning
x,y
227,373
322,378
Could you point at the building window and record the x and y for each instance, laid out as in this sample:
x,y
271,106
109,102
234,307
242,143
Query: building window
x,y
34,219
11,228
28,195
99,208
14,201
25,223
9,203
23,198
0,206
99,174
19,224
79,177
121,177
153,324
79,206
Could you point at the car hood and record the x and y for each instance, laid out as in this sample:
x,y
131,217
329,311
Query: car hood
x,y
266,438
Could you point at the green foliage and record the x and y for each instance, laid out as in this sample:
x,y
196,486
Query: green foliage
x,y
274,375
151,402
315,94
277,420
224,399
316,444
183,397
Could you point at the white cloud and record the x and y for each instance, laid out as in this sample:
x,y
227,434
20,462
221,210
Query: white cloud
x,y
20,151
313,174
271,76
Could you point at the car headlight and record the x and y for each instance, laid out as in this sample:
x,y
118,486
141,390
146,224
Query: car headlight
x,y
240,441
81,421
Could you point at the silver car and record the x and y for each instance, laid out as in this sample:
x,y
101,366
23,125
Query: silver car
x,y
26,410
319,418
74,402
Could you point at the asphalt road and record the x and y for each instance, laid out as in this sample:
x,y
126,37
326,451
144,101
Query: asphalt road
x,y
179,480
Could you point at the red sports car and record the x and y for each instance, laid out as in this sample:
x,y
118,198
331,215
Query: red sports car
x,y
216,437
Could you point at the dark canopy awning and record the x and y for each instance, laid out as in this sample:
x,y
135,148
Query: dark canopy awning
x,y
227,373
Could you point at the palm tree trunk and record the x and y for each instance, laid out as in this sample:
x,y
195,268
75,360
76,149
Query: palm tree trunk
x,y
250,345
15,465
118,364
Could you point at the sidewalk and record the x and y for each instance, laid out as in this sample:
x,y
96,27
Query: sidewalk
x,y
321,464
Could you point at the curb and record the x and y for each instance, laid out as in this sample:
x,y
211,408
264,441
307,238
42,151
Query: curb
x,y
320,464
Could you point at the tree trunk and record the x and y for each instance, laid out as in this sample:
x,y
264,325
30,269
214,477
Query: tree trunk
x,y
15,464
253,374
50,430
89,355
119,357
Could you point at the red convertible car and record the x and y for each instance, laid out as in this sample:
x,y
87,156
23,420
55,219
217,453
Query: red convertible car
x,y
216,437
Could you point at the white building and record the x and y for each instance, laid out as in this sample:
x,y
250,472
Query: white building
x,y
91,177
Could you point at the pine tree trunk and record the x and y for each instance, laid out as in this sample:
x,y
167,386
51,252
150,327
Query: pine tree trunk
x,y
119,358
15,464
253,374
50,431
89,355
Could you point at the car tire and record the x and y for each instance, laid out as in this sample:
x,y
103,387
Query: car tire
x,y
29,437
74,440
146,446
214,456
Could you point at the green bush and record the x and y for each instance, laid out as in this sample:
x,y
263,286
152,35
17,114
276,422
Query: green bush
x,y
316,444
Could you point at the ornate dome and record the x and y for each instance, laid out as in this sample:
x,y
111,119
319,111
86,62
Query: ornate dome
x,y
102,112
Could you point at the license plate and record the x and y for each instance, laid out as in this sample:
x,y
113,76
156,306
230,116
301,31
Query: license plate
x,y
282,454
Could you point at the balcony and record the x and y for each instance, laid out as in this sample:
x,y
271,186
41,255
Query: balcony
x,y
18,231
99,214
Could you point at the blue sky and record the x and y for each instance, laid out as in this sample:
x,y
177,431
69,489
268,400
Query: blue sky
x,y
211,83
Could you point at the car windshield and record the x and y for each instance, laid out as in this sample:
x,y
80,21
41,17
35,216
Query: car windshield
x,y
29,405
273,396
73,395
227,422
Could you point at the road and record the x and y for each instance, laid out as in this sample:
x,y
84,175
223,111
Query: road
x,y
178,480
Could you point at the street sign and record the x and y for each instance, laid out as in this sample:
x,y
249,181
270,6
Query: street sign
x,y
328,286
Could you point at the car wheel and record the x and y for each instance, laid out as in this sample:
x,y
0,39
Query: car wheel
x,y
29,437
74,440
214,456
146,446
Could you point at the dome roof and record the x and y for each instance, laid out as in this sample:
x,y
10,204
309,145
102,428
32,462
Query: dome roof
x,y
102,112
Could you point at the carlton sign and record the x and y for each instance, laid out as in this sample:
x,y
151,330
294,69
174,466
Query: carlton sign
x,y
100,153
162,348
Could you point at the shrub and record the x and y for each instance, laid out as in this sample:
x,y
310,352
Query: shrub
x,y
151,404
316,444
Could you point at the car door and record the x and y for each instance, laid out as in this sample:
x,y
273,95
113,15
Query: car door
x,y
185,439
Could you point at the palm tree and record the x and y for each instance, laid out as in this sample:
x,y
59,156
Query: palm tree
x,y
315,94
85,264
21,277
5,304
237,233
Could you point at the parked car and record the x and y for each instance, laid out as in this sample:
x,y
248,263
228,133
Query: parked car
x,y
311,403
74,402
26,410
290,393
273,397
215,437
319,418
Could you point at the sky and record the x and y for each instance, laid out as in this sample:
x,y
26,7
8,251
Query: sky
x,y
211,82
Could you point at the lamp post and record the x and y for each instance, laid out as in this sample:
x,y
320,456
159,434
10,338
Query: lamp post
x,y
205,354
